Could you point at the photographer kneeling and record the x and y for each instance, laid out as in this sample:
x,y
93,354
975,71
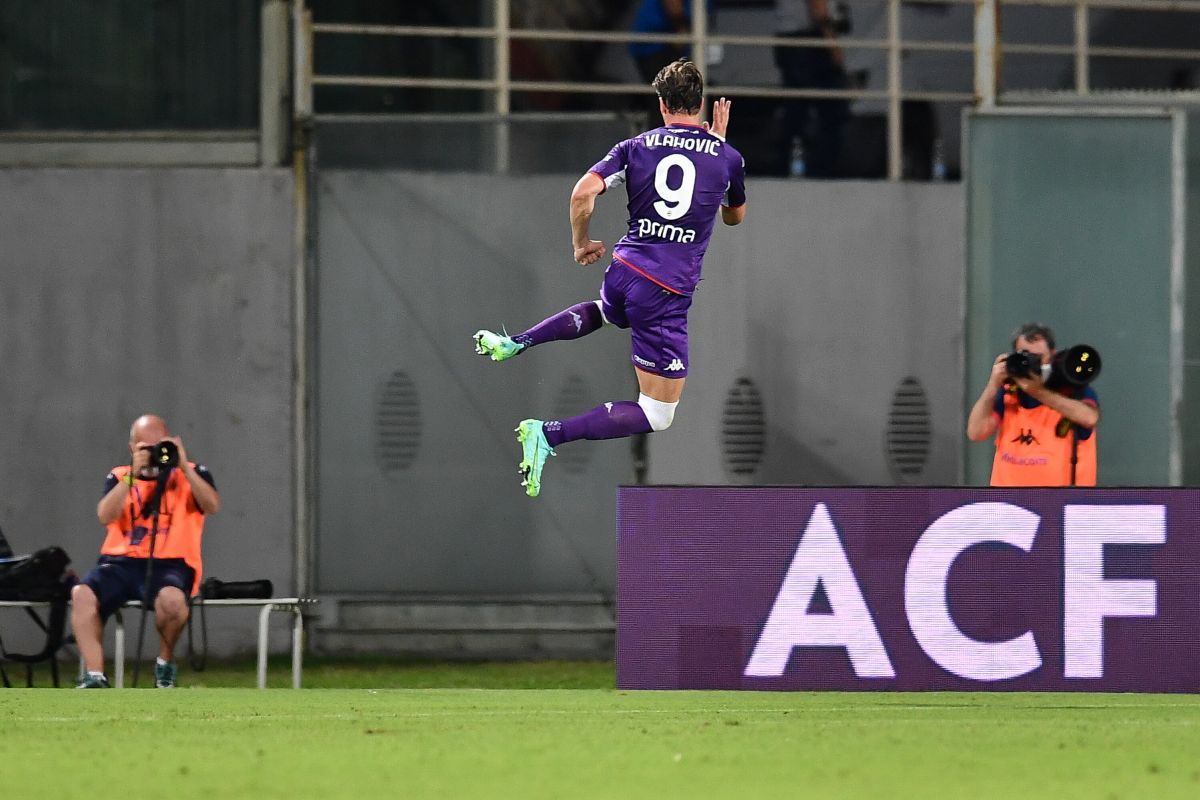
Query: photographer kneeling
x,y
1040,427
159,484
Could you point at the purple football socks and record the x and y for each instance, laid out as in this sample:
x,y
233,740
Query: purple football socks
x,y
578,320
609,421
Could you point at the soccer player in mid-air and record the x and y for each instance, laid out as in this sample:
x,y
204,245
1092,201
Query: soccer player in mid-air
x,y
676,176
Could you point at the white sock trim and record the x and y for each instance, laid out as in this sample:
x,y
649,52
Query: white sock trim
x,y
600,305
659,414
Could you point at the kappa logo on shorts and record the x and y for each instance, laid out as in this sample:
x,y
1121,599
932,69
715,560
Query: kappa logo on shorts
x,y
643,361
674,366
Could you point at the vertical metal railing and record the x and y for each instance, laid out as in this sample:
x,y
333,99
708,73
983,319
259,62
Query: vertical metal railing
x,y
302,65
1081,48
895,160
503,91
986,46
986,52
699,36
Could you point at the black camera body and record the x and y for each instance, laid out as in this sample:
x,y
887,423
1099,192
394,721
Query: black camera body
x,y
1023,364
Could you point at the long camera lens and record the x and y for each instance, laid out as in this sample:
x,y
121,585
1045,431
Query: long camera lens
x,y
1079,365
165,455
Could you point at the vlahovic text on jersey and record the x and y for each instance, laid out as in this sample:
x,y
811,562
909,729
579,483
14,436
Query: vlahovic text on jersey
x,y
676,176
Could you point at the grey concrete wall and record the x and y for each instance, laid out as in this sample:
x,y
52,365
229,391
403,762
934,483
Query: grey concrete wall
x,y
826,297
169,291
409,266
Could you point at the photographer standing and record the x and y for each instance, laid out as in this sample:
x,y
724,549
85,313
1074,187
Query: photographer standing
x,y
179,497
1036,426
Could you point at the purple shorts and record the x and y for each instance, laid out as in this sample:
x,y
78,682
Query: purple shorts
x,y
657,318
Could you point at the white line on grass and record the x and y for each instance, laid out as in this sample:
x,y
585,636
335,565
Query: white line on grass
x,y
808,716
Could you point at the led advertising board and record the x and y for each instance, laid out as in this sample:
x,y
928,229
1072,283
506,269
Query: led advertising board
x,y
908,589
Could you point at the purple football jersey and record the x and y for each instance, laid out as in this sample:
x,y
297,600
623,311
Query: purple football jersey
x,y
676,176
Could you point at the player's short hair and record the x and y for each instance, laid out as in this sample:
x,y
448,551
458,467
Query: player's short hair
x,y
681,87
1032,331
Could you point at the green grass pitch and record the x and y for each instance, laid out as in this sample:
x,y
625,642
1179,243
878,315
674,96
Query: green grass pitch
x,y
535,742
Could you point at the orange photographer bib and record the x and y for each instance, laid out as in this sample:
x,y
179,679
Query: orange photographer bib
x,y
1030,451
180,523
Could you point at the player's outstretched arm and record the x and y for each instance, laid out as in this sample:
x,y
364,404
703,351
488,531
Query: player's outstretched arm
x,y
720,123
734,213
583,203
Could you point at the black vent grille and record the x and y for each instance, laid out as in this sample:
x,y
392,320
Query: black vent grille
x,y
909,431
743,429
398,423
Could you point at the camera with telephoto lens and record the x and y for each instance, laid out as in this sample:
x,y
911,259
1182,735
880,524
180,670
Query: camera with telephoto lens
x,y
1076,366
164,455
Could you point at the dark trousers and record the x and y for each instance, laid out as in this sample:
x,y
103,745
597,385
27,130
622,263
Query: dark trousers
x,y
820,124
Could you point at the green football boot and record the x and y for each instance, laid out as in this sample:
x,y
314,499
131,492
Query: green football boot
x,y
534,452
496,345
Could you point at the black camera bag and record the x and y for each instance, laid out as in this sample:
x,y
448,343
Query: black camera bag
x,y
41,577
213,589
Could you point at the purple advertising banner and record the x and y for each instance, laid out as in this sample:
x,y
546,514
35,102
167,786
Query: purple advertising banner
x,y
908,589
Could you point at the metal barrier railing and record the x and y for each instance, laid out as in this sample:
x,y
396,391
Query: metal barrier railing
x,y
1081,49
987,48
